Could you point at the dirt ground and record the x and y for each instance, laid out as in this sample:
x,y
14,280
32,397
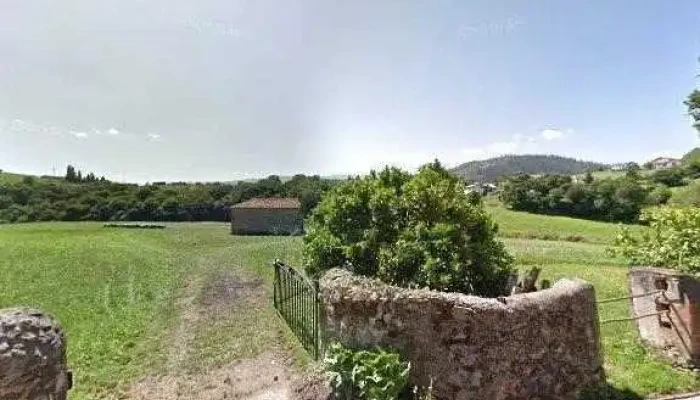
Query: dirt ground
x,y
269,376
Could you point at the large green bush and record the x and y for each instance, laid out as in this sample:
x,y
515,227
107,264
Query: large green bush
x,y
672,242
410,230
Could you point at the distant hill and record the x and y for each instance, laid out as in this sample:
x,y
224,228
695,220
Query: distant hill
x,y
493,168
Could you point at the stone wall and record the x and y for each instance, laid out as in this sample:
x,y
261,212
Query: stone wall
x,y
675,297
32,357
538,345
252,221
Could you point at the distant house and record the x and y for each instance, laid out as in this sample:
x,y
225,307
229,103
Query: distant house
x,y
620,166
267,216
664,163
481,188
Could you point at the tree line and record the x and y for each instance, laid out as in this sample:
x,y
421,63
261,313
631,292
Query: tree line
x,y
86,198
615,200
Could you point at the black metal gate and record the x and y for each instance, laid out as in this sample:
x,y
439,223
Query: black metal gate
x,y
297,301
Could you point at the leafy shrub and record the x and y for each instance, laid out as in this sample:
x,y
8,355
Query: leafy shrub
x,y
419,230
659,195
673,241
366,374
671,177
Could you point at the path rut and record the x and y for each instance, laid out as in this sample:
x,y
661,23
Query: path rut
x,y
267,376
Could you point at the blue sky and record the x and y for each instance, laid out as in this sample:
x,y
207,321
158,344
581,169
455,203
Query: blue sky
x,y
220,90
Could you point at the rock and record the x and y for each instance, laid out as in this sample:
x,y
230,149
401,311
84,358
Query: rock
x,y
32,357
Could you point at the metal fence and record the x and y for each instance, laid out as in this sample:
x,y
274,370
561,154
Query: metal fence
x,y
297,301
636,317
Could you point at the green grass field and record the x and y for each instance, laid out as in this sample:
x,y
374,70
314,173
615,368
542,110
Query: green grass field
x,y
617,174
119,292
116,291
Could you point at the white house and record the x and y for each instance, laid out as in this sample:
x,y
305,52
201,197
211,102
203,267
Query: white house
x,y
620,166
664,163
481,188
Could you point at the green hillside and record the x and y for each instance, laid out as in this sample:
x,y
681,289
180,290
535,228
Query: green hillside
x,y
494,168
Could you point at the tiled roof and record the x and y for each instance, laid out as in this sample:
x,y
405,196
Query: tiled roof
x,y
270,203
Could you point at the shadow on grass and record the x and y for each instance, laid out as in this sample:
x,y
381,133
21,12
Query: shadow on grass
x,y
609,392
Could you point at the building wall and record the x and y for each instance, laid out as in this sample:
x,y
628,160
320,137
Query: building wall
x,y
249,221
537,345
666,164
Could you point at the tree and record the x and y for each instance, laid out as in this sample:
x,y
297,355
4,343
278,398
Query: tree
x,y
71,176
693,105
409,230
588,179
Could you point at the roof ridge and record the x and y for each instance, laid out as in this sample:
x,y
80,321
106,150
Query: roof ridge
x,y
270,203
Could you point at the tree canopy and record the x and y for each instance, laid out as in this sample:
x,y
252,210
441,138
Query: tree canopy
x,y
693,104
604,199
80,197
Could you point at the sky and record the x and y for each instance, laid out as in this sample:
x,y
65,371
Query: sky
x,y
219,90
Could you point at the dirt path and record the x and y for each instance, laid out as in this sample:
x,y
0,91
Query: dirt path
x,y
266,377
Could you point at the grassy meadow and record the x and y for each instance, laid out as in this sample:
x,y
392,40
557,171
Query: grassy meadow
x,y
617,174
119,293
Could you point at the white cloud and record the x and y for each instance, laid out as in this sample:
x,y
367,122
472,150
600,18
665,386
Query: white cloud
x,y
113,132
154,137
492,150
77,134
531,139
19,125
551,134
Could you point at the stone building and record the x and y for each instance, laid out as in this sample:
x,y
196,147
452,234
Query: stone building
x,y
267,216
